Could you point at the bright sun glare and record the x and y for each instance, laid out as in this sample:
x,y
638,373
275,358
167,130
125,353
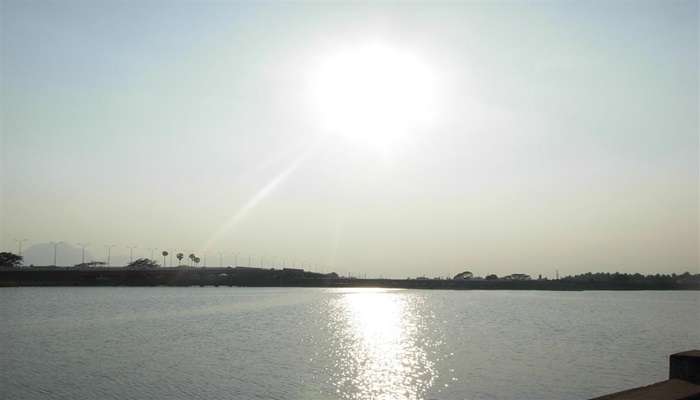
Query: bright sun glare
x,y
374,93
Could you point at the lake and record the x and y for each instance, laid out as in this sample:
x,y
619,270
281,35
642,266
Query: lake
x,y
314,343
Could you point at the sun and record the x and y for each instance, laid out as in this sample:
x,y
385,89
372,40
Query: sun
x,y
374,93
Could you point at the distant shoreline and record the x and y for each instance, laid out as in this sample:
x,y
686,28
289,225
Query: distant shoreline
x,y
257,277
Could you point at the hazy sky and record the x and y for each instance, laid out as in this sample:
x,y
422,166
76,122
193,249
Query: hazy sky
x,y
388,139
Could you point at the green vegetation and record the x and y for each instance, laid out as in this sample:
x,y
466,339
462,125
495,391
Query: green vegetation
x,y
616,277
143,263
10,260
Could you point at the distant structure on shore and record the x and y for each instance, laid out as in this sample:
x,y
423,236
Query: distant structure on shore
x,y
147,272
517,277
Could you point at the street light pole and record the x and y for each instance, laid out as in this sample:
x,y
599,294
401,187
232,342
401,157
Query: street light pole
x,y
108,248
55,246
19,245
83,246
131,253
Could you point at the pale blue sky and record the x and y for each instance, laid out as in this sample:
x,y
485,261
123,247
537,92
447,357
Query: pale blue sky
x,y
566,136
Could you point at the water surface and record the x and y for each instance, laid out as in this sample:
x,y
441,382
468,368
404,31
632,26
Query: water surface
x,y
298,343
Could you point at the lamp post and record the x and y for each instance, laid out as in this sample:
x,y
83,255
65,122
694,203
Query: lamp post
x,y
83,246
55,247
131,253
19,246
108,250
235,259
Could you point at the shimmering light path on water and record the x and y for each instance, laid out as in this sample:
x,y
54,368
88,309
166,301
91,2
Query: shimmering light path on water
x,y
379,348
355,344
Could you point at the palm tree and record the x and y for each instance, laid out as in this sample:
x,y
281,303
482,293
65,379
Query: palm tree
x,y
192,257
179,258
196,261
165,254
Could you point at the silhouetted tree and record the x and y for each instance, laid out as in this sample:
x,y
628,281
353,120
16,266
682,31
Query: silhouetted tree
x,y
196,261
179,257
491,277
11,260
165,254
191,257
145,263
466,275
624,278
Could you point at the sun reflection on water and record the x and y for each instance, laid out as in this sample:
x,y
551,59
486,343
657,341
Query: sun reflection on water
x,y
380,351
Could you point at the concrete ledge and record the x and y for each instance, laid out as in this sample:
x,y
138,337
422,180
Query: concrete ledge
x,y
685,366
672,389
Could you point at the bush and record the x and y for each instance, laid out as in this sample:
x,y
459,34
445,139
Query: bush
x,y
10,260
143,263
